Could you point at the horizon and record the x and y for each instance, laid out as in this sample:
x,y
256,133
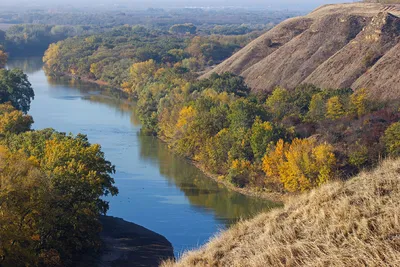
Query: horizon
x,y
168,4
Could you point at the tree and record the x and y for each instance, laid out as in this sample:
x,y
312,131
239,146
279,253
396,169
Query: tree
x,y
16,89
79,177
278,103
334,108
214,155
243,113
186,115
141,73
262,134
13,121
317,108
391,139
52,57
226,82
3,58
359,102
239,172
183,28
300,165
24,203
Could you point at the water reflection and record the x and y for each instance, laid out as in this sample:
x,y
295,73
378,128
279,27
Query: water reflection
x,y
158,189
201,191
27,64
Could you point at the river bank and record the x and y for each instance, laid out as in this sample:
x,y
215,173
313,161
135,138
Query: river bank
x,y
271,196
127,244
250,192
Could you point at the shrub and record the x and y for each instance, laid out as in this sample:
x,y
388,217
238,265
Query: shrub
x,y
392,139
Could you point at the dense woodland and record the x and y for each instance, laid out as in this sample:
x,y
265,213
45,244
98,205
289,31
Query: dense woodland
x,y
34,39
207,20
108,56
51,186
283,141
31,32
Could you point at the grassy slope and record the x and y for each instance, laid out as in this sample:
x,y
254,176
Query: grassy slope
x,y
356,223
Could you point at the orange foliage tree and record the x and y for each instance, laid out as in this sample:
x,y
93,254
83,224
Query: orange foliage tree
x,y
300,165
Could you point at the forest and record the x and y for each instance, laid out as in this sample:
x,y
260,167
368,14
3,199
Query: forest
x,y
31,32
284,141
34,39
108,56
205,19
51,185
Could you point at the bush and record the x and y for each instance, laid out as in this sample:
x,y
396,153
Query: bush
x,y
392,139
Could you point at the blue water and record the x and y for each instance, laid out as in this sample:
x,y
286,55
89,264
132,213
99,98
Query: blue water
x,y
158,190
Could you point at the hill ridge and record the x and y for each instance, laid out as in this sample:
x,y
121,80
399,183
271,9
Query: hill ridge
x,y
334,46
352,223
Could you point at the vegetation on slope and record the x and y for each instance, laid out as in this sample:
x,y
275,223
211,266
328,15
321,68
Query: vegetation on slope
x,y
335,46
355,223
280,141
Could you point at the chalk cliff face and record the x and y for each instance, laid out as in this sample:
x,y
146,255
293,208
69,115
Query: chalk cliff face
x,y
335,46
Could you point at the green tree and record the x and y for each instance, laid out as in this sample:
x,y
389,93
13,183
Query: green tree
x,y
391,139
262,134
317,108
183,28
242,114
278,103
16,89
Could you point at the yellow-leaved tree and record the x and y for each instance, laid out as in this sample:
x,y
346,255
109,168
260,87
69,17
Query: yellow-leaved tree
x,y
334,108
13,121
185,116
300,165
51,57
140,74
359,102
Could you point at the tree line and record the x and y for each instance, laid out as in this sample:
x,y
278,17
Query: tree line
x,y
108,56
284,141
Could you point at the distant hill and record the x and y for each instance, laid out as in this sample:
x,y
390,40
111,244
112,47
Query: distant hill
x,y
355,223
335,46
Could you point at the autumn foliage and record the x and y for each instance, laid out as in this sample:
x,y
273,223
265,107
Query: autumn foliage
x,y
51,186
300,165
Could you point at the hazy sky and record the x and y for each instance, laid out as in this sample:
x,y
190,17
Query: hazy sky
x,y
174,3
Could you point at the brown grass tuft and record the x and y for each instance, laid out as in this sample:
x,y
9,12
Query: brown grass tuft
x,y
356,223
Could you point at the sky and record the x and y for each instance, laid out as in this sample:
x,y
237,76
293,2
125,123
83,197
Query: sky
x,y
290,4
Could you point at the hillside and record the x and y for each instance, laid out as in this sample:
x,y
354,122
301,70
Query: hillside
x,y
355,223
335,46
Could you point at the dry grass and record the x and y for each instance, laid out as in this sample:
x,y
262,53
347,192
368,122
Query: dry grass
x,y
355,223
328,48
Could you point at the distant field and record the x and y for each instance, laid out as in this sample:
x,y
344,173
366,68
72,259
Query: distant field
x,y
5,27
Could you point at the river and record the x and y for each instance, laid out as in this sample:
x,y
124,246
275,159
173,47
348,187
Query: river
x,y
157,189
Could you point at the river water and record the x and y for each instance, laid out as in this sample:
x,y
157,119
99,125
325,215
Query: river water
x,y
157,189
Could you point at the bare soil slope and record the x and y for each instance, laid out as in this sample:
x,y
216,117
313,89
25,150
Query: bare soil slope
x,y
332,47
353,223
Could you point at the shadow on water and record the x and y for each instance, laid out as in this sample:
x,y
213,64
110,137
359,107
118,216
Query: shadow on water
x,y
202,192
158,189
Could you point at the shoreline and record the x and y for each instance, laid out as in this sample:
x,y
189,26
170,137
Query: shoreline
x,y
126,244
271,196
